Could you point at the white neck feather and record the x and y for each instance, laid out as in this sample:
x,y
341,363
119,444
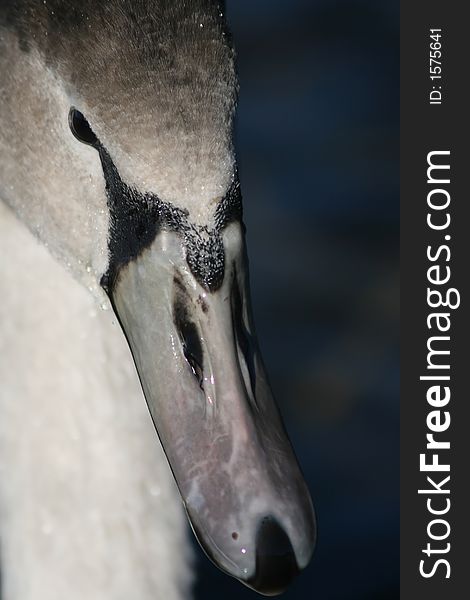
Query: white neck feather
x,y
88,508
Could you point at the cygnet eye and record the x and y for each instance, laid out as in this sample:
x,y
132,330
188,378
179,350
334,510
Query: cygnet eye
x,y
80,128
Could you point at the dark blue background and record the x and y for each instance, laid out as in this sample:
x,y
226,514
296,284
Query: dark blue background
x,y
317,143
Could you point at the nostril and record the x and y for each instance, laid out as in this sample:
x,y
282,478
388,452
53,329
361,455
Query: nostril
x,y
190,341
276,565
192,350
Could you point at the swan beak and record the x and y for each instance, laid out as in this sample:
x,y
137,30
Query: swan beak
x,y
207,391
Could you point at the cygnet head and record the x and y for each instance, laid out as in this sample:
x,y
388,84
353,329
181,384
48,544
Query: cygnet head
x,y
133,109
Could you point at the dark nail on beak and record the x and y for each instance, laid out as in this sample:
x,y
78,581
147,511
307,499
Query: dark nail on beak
x,y
276,565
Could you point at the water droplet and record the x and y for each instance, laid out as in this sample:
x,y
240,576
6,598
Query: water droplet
x,y
243,550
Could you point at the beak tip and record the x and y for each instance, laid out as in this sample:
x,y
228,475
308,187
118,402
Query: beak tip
x,y
276,564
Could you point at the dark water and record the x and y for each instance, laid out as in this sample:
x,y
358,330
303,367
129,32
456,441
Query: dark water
x,y
317,142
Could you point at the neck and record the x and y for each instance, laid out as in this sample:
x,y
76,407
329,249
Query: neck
x,y
88,508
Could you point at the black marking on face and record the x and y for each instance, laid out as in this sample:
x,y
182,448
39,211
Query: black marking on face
x,y
137,218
